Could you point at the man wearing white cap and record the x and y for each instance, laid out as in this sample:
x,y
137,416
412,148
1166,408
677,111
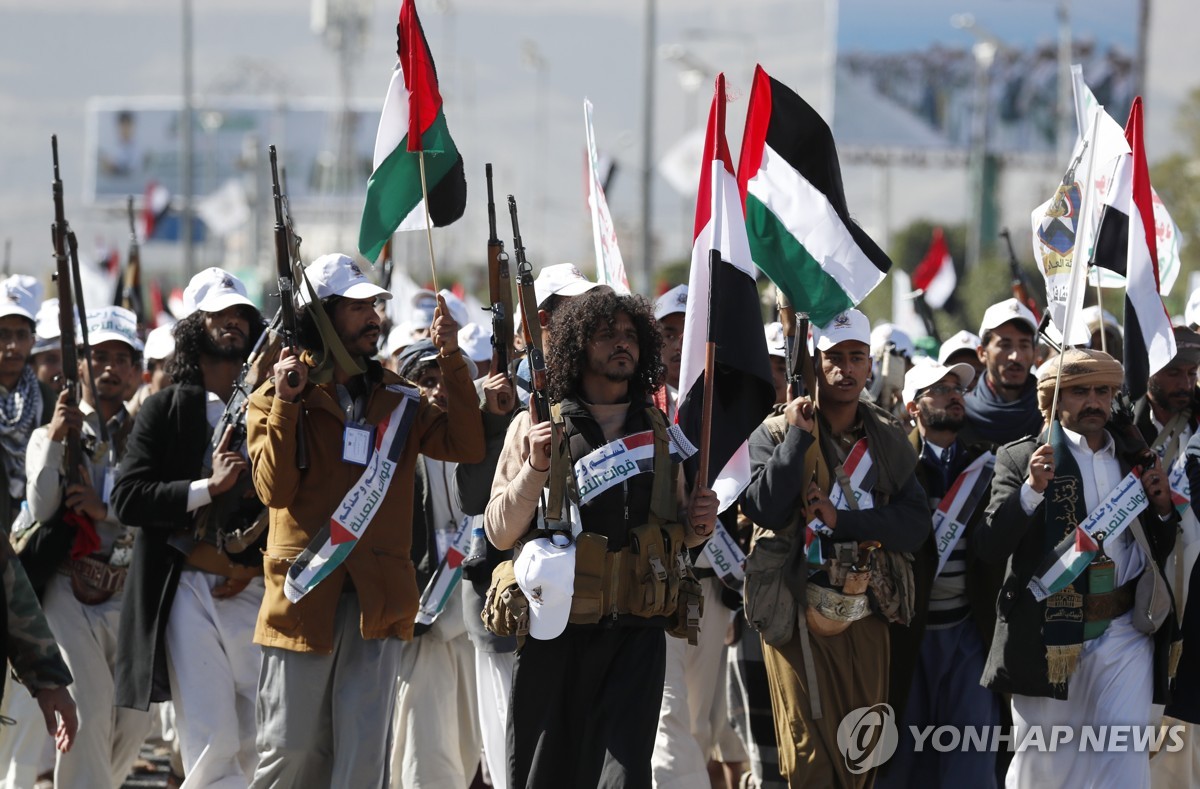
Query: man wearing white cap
x,y
195,583
160,346
82,550
963,346
669,312
937,661
1003,406
587,687
334,440
806,464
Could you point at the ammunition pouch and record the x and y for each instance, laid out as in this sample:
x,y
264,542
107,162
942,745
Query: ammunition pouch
x,y
505,609
769,603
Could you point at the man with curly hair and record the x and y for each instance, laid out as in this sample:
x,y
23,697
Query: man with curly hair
x,y
586,693
195,583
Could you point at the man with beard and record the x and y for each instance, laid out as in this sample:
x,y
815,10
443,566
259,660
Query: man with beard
x,y
1003,406
1096,648
838,659
937,661
1167,417
196,578
83,598
334,451
586,694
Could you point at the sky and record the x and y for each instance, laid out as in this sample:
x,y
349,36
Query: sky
x,y
56,54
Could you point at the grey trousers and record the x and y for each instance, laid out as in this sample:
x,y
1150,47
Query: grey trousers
x,y
326,720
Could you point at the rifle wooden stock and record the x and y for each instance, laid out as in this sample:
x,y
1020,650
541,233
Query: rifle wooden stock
x,y
286,244
539,404
131,287
1020,283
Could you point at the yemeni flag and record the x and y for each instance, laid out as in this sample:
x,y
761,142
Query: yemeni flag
x,y
800,231
1126,244
935,274
723,308
412,121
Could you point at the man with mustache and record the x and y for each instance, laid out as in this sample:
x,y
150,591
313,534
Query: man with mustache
x,y
1003,406
195,583
838,658
1167,416
937,661
83,598
669,313
334,450
1096,649
588,683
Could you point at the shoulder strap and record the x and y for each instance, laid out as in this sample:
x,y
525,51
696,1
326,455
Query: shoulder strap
x,y
662,497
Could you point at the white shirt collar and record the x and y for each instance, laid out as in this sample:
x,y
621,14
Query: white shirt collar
x,y
937,451
1079,443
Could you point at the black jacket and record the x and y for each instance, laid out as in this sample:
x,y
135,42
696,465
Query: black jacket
x,y
166,451
1016,662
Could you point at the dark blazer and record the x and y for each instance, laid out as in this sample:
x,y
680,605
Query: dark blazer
x,y
1017,660
166,451
9,507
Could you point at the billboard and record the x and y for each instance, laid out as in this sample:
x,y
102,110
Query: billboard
x,y
133,141
925,74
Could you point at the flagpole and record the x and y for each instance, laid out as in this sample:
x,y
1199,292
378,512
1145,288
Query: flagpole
x,y
1078,272
428,221
1100,306
710,364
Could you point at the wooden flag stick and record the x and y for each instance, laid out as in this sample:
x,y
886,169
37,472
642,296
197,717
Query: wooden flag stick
x,y
1100,306
710,364
428,221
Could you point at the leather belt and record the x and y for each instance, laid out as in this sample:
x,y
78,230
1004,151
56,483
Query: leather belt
x,y
210,559
1109,605
97,573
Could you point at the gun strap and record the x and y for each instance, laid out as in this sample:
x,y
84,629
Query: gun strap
x,y
334,351
559,467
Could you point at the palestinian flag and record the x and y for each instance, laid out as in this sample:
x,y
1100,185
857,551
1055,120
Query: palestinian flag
x,y
800,231
1126,244
412,121
723,308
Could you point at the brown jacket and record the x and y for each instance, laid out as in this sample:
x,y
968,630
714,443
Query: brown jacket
x,y
380,566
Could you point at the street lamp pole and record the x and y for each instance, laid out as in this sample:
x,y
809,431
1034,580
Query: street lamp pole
x,y
648,150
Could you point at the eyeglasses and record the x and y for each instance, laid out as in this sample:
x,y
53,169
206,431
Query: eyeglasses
x,y
20,335
105,359
941,390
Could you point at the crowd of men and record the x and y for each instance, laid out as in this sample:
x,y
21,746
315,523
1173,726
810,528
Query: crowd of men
x,y
390,564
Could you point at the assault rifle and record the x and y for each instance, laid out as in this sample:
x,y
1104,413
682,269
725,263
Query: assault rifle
x,y
1020,282
247,381
539,404
131,283
59,233
499,288
287,244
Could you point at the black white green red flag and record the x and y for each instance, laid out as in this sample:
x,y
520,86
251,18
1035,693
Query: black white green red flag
x,y
412,121
800,231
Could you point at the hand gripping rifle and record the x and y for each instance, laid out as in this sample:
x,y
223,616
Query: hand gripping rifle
x,y
289,331
499,288
539,401
59,232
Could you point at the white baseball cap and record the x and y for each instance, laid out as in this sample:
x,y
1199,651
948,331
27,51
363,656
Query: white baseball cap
x,y
475,340
213,290
48,334
545,571
849,325
399,338
884,333
458,308
424,302
927,373
962,341
336,274
671,302
1005,311
561,279
19,296
113,323
160,343
776,341
1191,313
1091,317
